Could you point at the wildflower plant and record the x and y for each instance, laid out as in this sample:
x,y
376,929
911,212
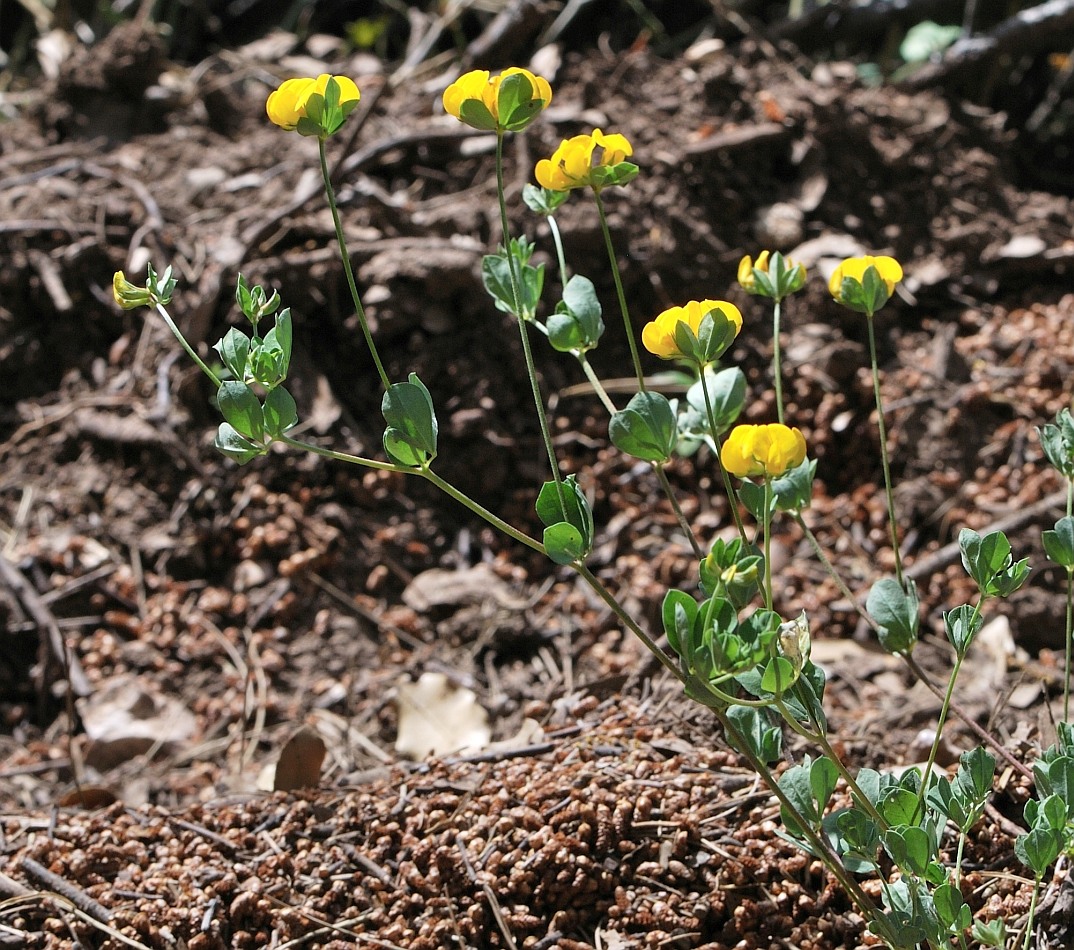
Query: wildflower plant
x,y
731,646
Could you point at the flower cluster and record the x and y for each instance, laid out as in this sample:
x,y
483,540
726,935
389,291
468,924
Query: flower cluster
x,y
316,107
765,451
504,103
593,160
669,335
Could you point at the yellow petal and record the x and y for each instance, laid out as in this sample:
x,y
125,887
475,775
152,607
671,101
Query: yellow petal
x,y
470,85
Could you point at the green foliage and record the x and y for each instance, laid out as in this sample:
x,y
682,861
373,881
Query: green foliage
x,y
791,491
1059,543
497,277
1057,440
896,610
715,334
564,509
989,562
411,433
646,429
576,326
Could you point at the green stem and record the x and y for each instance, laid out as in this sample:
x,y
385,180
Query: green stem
x,y
958,857
516,293
1032,913
429,475
884,451
777,363
1069,629
944,708
766,530
650,644
669,492
732,495
594,381
814,543
186,346
344,456
557,239
347,270
617,277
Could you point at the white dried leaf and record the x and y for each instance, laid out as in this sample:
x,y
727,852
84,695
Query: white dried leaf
x,y
436,718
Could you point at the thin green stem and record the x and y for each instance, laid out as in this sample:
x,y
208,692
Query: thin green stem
x,y
330,193
944,708
669,492
345,457
822,556
1069,633
958,857
732,495
594,381
177,333
766,530
777,363
429,475
617,277
650,644
888,491
1032,913
527,350
557,239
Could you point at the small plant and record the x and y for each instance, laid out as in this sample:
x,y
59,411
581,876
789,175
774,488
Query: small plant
x,y
731,647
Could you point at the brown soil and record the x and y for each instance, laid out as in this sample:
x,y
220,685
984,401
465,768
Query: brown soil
x,y
294,590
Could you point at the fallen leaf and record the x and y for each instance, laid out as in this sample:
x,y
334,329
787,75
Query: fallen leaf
x,y
301,758
436,718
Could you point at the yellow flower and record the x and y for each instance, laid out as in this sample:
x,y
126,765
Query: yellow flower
x,y
854,268
765,450
474,98
658,337
129,296
286,106
573,164
782,276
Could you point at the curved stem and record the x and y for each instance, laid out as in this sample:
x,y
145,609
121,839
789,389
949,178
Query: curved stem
x,y
177,333
619,289
616,608
594,381
527,350
766,530
429,475
1032,913
893,524
822,556
358,308
732,495
777,363
557,239
669,492
345,457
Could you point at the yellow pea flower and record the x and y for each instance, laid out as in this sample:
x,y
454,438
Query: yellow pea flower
x,y
287,105
129,296
854,268
763,450
474,99
580,161
658,337
781,275
746,278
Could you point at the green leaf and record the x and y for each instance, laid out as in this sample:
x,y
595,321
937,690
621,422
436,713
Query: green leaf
x,y
951,907
476,115
778,676
1061,779
715,334
909,847
679,612
989,562
791,491
496,276
1059,544
565,503
1057,440
727,396
646,429
899,807
564,543
543,200
976,770
860,837
408,411
281,413
794,783
235,446
991,934
1038,849
896,612
605,176
240,407
823,777
961,626
761,737
234,349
